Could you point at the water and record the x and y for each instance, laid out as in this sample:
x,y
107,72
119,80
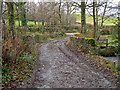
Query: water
x,y
114,59
71,34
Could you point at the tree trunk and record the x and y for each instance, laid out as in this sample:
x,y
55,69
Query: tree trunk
x,y
35,22
97,32
119,41
83,19
19,14
104,14
118,64
60,18
67,18
1,6
94,20
11,14
19,22
23,14
43,23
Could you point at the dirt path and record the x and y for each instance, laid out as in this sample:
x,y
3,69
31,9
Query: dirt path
x,y
57,67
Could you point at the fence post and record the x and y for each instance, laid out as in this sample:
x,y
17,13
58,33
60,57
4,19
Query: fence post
x,y
106,42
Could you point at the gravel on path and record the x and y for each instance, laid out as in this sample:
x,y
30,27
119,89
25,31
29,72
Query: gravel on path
x,y
58,67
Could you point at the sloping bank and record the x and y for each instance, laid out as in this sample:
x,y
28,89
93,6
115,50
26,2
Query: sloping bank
x,y
77,45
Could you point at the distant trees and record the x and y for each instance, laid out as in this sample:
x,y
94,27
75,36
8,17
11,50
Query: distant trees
x,y
21,13
70,10
31,13
55,14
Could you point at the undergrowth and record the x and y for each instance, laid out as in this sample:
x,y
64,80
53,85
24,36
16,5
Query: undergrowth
x,y
14,75
100,61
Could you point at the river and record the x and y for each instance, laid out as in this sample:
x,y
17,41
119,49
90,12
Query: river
x,y
111,58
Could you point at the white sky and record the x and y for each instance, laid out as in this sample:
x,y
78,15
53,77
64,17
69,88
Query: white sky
x,y
114,1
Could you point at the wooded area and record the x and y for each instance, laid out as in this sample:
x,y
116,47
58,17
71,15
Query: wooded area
x,y
26,25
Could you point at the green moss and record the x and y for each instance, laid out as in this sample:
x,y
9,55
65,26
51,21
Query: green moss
x,y
90,41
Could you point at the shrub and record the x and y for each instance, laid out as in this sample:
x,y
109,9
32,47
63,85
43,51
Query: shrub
x,y
33,29
105,32
72,31
90,41
37,38
12,48
76,27
118,68
66,27
62,33
107,52
40,38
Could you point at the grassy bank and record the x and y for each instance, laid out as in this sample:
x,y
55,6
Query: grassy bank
x,y
89,19
98,61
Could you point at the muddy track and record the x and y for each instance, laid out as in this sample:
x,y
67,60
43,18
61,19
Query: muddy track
x,y
58,67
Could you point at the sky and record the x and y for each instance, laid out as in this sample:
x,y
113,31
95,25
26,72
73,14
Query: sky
x,y
114,1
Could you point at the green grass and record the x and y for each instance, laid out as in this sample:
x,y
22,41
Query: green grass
x,y
89,19
32,23
28,23
111,41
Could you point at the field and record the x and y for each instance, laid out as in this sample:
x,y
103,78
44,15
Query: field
x,y
89,20
28,23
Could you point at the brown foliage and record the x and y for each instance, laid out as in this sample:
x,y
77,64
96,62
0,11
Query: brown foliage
x,y
11,49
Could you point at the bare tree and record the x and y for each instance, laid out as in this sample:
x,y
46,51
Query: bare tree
x,y
104,13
